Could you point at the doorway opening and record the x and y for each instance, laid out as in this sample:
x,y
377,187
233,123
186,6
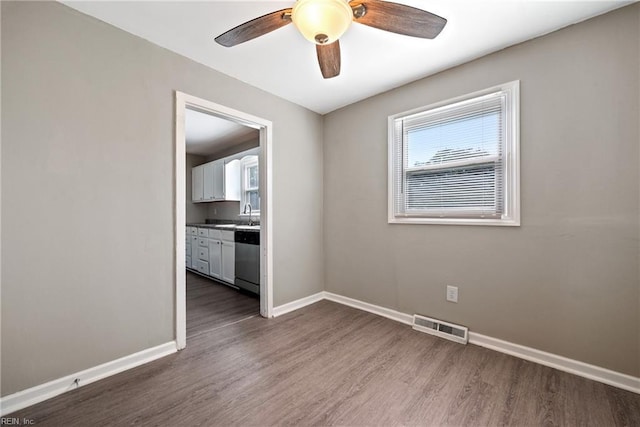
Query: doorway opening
x,y
244,157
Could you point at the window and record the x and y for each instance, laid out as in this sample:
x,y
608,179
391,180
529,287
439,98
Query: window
x,y
250,185
457,162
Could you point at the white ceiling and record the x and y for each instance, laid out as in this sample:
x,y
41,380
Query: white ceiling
x,y
373,61
206,134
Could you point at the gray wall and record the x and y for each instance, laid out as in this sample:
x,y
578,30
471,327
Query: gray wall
x,y
238,148
224,210
567,280
87,190
196,213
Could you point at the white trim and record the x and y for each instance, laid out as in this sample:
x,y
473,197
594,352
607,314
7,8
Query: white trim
x,y
180,226
265,169
454,221
299,303
592,372
511,215
407,319
42,392
183,101
31,396
586,370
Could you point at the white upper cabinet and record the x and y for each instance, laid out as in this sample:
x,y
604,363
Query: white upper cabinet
x,y
208,186
197,183
216,181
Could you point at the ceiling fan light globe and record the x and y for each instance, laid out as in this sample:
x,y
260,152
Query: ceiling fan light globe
x,y
322,21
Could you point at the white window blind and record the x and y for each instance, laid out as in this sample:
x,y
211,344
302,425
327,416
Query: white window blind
x,y
455,161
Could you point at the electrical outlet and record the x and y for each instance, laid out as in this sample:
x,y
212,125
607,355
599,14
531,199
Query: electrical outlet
x,y
215,211
452,293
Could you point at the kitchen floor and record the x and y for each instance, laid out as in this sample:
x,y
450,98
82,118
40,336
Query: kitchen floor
x,y
212,305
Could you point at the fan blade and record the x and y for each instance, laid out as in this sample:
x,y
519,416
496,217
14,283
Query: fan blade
x,y
255,28
329,59
397,18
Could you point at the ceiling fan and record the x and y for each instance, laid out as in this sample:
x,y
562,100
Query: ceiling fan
x,y
324,21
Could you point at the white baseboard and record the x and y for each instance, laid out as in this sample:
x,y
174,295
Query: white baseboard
x,y
25,398
37,394
561,363
407,319
592,372
299,303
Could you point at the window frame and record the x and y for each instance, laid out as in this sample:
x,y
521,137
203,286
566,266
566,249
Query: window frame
x,y
511,159
245,164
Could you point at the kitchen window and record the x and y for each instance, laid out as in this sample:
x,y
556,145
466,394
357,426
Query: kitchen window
x,y
250,185
457,162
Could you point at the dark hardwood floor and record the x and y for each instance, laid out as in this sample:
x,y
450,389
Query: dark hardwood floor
x,y
328,364
212,305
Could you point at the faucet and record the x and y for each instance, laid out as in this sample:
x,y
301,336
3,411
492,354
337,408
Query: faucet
x,y
245,211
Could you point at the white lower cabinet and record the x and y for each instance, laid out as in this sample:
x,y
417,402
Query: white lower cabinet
x,y
202,266
188,247
212,252
228,261
215,258
202,253
187,251
194,251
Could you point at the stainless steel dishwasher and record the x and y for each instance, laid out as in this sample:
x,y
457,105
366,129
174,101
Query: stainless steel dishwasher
x,y
248,260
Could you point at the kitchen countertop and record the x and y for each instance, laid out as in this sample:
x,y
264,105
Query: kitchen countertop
x,y
229,227
248,228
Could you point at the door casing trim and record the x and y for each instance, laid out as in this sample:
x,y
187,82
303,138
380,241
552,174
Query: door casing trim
x,y
265,165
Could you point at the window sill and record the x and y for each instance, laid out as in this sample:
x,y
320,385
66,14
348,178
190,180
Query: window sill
x,y
509,222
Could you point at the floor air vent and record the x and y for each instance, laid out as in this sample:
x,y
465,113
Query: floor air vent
x,y
442,329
